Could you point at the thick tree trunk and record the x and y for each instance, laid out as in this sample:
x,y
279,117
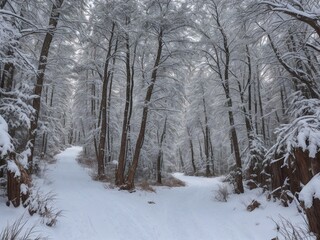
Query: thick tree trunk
x,y
53,22
130,178
303,165
13,189
313,216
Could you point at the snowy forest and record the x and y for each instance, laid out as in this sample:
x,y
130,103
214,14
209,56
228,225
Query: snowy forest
x,y
226,92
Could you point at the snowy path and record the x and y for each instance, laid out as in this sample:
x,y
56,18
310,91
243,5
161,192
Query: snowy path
x,y
188,213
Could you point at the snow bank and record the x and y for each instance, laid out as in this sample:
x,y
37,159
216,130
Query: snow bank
x,y
5,139
310,191
12,167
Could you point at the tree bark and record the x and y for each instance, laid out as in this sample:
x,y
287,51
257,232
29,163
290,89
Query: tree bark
x,y
234,137
125,124
160,153
206,138
103,108
130,179
43,61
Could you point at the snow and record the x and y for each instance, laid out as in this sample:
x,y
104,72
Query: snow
x,y
310,191
92,210
24,189
12,167
5,140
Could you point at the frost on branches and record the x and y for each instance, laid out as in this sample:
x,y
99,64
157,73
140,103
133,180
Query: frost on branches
x,y
296,150
303,131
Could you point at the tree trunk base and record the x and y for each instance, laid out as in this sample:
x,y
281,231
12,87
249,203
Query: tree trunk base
x,y
313,216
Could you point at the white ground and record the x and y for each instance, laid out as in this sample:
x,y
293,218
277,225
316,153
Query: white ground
x,y
91,211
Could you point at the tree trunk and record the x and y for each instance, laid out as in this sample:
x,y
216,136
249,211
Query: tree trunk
x,y
261,108
13,189
192,156
125,124
206,138
53,22
109,139
303,165
103,109
160,154
226,87
313,216
3,3
181,161
139,143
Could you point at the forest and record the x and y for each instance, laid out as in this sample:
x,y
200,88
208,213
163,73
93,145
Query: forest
x,y
148,88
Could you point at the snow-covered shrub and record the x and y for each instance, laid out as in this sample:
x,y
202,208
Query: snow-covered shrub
x,y
253,166
303,131
222,194
42,203
297,146
5,139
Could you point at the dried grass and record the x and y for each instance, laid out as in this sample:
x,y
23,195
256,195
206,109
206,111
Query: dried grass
x,y
19,231
288,231
172,182
222,194
145,186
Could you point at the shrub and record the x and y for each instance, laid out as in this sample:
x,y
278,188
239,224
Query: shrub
x,y
42,204
222,194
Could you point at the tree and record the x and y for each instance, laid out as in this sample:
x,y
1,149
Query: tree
x,y
220,61
44,53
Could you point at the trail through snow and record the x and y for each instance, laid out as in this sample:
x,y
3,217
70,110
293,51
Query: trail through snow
x,y
91,211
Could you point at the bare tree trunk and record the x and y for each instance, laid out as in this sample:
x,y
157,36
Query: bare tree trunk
x,y
192,156
125,124
233,132
261,108
53,22
206,138
103,108
130,179
212,156
160,154
224,75
181,161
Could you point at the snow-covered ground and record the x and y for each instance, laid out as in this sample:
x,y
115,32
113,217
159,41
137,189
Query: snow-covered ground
x,y
91,211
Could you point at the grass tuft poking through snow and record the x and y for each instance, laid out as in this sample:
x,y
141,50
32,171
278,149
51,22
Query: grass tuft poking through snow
x,y
19,231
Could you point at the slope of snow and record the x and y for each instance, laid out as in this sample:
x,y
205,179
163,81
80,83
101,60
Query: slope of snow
x,y
91,211
310,191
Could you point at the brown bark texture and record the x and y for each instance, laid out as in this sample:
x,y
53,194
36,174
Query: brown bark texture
x,y
53,22
13,189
